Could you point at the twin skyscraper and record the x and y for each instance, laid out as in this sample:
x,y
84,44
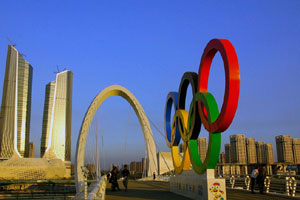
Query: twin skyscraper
x,y
16,110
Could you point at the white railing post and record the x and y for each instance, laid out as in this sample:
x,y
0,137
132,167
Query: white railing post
x,y
287,185
232,181
293,186
247,182
267,183
85,188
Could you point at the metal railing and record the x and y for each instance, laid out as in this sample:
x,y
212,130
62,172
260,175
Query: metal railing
x,y
96,190
282,184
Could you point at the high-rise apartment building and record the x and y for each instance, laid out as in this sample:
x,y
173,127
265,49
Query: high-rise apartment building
x,y
269,155
202,147
260,152
56,132
31,150
132,167
251,151
222,158
296,150
48,106
181,145
238,149
136,167
16,106
227,153
284,149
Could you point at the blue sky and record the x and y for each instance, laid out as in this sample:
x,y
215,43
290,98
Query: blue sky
x,y
146,46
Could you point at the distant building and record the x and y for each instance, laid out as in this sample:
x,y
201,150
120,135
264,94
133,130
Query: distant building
x,y
139,167
284,149
181,148
269,155
144,165
227,153
296,150
31,150
238,149
48,107
251,151
136,167
165,162
56,132
132,167
222,158
16,106
202,147
260,152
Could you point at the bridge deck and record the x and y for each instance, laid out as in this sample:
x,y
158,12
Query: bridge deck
x,y
160,190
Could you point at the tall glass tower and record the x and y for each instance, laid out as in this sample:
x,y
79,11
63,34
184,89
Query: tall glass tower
x,y
48,106
16,106
56,131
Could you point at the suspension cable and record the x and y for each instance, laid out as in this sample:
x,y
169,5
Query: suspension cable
x,y
157,144
150,131
161,154
160,132
97,149
101,126
126,136
154,125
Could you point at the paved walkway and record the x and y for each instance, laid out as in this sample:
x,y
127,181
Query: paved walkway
x,y
142,190
160,190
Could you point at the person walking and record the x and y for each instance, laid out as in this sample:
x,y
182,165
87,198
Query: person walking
x,y
262,173
253,177
125,174
114,179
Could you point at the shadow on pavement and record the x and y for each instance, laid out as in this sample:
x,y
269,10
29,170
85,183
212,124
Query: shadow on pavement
x,y
142,194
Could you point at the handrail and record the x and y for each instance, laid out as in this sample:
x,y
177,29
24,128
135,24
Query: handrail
x,y
98,192
273,175
289,184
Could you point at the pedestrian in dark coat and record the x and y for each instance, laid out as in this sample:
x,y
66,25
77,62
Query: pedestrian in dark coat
x,y
114,179
262,173
125,173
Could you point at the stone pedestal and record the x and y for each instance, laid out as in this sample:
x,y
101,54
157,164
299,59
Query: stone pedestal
x,y
204,187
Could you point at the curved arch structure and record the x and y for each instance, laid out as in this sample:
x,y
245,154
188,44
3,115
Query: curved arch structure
x,y
114,90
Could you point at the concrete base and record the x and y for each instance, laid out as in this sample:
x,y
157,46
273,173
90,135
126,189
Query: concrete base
x,y
204,187
17,168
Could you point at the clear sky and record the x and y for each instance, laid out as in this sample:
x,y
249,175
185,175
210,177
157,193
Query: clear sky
x,y
146,46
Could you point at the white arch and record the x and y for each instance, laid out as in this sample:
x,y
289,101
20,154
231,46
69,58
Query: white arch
x,y
114,90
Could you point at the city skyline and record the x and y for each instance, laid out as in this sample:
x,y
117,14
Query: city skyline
x,y
148,51
248,151
16,109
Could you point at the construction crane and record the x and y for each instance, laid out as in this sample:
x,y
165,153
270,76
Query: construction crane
x,y
58,71
13,45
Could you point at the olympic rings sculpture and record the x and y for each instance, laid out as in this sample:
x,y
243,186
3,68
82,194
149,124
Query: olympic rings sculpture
x,y
203,110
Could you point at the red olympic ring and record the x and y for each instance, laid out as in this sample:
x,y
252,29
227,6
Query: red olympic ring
x,y
232,83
